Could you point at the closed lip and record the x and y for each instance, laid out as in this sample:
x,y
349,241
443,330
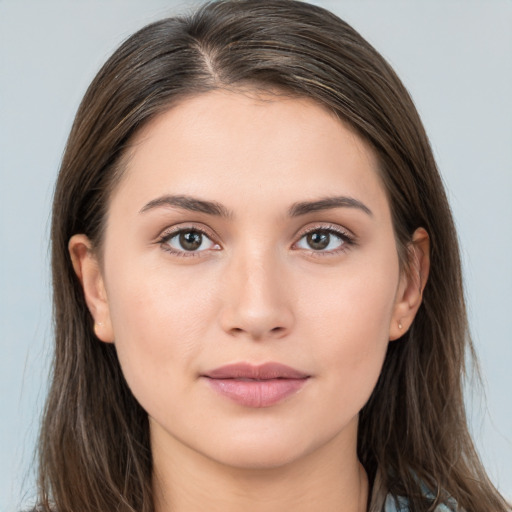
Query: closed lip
x,y
256,385
266,371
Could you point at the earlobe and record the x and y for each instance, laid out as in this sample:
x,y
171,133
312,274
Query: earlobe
x,y
412,284
87,269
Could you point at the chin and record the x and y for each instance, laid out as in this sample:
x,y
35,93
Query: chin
x,y
267,449
258,457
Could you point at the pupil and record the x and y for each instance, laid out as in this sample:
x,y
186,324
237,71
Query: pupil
x,y
318,240
191,240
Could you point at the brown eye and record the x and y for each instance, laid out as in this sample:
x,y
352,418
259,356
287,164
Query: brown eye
x,y
318,240
190,240
323,240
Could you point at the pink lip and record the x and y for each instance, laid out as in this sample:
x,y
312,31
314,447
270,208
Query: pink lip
x,y
256,386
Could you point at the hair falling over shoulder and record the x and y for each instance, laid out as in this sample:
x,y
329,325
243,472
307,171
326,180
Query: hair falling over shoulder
x,y
94,451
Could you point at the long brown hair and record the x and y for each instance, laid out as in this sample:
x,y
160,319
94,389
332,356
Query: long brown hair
x,y
413,436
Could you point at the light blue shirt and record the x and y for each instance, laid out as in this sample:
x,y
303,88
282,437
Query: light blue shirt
x,y
403,506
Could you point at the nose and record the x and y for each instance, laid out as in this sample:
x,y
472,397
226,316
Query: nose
x,y
257,302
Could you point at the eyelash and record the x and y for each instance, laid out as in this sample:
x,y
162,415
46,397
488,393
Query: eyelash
x,y
347,239
166,236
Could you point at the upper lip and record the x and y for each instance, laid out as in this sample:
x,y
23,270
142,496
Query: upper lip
x,y
266,371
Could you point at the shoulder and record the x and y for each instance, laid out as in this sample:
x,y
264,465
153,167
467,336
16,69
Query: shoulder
x,y
401,504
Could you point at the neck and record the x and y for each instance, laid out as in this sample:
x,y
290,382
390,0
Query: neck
x,y
186,481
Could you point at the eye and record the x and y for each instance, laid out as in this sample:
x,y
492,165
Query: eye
x,y
187,241
324,240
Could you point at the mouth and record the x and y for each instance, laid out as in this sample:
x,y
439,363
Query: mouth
x,y
256,386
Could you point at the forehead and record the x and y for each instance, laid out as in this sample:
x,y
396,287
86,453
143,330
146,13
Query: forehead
x,y
251,142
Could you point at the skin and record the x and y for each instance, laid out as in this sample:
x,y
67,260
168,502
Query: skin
x,y
254,292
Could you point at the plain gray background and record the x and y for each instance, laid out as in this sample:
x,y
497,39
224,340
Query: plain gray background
x,y
455,58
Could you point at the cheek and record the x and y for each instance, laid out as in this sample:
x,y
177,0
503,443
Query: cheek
x,y
350,319
159,321
354,300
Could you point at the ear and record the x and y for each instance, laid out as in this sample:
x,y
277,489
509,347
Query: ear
x,y
412,283
87,269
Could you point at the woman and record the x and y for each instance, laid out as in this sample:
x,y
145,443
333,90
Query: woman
x,y
257,283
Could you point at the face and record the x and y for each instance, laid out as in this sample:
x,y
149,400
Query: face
x,y
250,278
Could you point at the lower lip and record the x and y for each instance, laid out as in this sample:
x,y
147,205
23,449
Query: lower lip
x,y
257,393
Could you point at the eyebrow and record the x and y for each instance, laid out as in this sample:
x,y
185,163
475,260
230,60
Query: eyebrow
x,y
188,203
327,203
214,208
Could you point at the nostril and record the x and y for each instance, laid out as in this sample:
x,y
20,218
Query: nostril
x,y
259,334
278,332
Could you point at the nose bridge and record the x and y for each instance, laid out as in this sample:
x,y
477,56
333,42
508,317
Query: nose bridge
x,y
256,301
